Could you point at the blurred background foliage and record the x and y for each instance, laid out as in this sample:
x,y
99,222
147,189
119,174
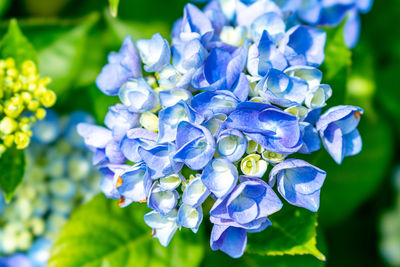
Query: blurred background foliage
x,y
73,38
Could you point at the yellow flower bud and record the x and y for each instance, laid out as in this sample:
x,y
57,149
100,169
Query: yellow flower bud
x,y
39,91
9,63
8,125
21,90
22,140
48,98
43,82
33,105
12,72
253,147
28,67
253,165
8,140
13,110
273,157
149,121
40,113
25,125
26,97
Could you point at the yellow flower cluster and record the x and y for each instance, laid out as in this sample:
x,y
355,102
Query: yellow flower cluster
x,y
23,97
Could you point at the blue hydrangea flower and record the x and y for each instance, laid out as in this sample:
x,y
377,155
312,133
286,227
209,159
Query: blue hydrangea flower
x,y
303,45
190,217
155,53
220,176
164,226
170,117
195,192
270,127
163,201
195,25
138,96
160,159
135,138
245,209
121,66
221,69
111,174
298,182
282,90
189,55
231,144
264,55
195,145
311,141
212,104
134,184
338,130
119,119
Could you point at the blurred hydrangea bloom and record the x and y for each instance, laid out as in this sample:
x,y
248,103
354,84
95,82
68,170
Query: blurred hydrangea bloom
x,y
237,92
23,98
59,176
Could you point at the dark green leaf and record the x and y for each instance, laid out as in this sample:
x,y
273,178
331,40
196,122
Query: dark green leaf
x,y
12,169
293,232
101,234
336,64
347,186
16,45
4,4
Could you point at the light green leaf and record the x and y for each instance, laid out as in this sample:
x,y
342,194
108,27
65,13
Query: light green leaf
x,y
62,58
12,169
336,64
114,7
101,234
293,232
16,45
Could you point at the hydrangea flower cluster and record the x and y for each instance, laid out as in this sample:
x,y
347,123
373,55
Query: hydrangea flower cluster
x,y
233,97
23,97
59,176
314,12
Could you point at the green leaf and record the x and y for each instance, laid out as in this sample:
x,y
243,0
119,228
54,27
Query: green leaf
x,y
16,45
293,232
100,103
136,29
100,233
12,169
218,259
348,185
62,58
336,64
4,4
114,7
